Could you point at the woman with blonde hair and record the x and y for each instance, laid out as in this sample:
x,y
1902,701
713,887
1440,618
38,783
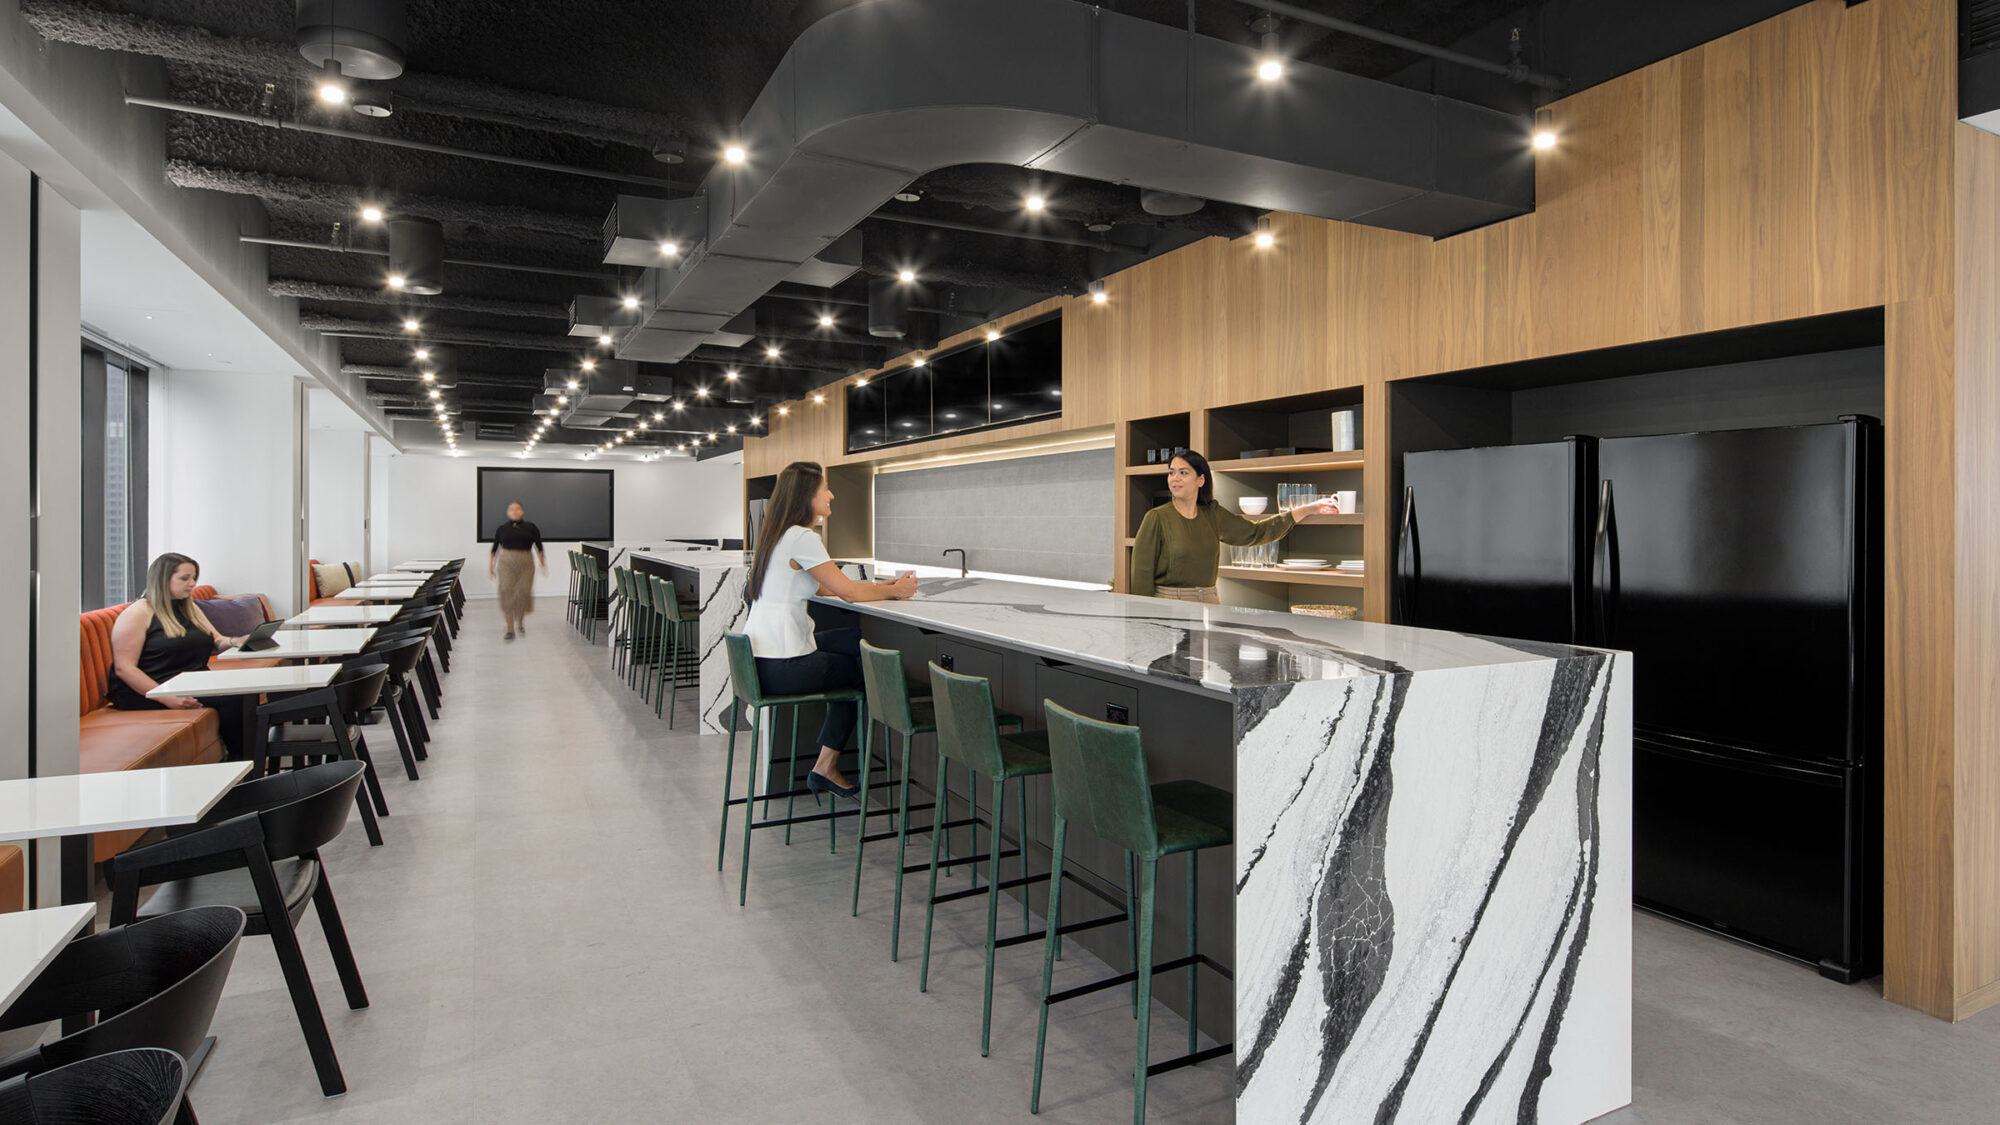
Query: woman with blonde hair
x,y
164,634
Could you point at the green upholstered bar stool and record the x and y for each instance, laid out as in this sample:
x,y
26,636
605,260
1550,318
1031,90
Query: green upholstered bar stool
x,y
890,703
573,609
681,624
640,625
749,692
1101,784
968,734
621,639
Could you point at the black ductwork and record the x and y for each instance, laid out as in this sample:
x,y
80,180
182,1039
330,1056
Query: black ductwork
x,y
876,95
888,308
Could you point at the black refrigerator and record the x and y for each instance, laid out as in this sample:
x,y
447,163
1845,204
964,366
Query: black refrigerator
x,y
1743,570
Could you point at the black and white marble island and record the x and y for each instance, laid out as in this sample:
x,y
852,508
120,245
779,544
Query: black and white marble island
x,y
1431,885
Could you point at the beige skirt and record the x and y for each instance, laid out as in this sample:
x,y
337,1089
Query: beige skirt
x,y
1203,594
515,580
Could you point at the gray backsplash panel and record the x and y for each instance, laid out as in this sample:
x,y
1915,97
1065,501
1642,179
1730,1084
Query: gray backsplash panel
x,y
1047,517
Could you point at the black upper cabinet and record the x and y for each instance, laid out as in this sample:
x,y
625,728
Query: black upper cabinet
x,y
1026,372
958,390
867,421
1017,378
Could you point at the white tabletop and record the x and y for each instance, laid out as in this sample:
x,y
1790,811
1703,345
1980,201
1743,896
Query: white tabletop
x,y
378,593
395,578
299,644
36,808
343,615
30,940
248,681
425,565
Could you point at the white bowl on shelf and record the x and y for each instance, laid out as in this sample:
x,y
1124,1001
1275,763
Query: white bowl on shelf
x,y
1254,505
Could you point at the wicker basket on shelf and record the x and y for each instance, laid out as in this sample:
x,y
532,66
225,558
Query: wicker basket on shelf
x,y
1343,612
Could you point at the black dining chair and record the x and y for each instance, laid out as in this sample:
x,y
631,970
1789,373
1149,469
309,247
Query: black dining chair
x,y
150,984
315,725
401,655
259,851
429,688
142,1087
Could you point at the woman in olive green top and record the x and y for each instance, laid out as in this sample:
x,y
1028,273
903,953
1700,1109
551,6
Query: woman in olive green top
x,y
1180,542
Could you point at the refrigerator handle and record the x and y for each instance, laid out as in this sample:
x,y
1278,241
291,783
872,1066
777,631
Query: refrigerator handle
x,y
1604,563
1408,566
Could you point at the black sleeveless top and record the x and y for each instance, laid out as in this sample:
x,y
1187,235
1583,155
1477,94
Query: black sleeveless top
x,y
162,657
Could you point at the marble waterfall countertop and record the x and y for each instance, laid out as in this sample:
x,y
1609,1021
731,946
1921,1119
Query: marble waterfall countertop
x,y
1201,647
1432,865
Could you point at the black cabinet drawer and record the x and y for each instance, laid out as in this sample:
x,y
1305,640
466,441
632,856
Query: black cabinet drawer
x,y
1089,696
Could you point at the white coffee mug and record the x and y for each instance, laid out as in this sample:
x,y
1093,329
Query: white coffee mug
x,y
1348,502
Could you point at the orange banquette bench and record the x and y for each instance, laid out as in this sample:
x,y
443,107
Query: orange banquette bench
x,y
110,739
313,587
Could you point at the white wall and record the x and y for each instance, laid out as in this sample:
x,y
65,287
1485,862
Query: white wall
x,y
337,484
431,503
222,478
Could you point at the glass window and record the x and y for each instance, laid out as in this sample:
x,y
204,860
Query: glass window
x,y
114,478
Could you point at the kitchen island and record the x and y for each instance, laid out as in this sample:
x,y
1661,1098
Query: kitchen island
x,y
713,581
1428,909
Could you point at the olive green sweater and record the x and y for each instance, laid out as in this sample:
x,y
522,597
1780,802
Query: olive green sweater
x,y
1172,551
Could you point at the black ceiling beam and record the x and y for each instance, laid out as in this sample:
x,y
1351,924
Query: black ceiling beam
x,y
280,124
356,295
346,199
261,60
334,248
997,232
1515,71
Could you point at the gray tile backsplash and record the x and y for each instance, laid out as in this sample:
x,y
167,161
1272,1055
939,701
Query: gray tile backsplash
x,y
1047,517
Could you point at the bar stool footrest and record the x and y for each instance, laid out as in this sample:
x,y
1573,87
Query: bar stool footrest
x,y
1073,927
1200,1056
1128,978
1008,885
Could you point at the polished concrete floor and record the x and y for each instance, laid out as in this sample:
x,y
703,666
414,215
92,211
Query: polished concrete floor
x,y
545,938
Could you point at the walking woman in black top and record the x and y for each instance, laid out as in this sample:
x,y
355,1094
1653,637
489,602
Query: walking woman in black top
x,y
164,634
513,571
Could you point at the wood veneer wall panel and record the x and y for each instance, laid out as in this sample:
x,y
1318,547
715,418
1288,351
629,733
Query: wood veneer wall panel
x,y
1920,932
1975,832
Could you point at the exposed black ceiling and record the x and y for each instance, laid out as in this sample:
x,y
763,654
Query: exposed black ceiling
x,y
598,86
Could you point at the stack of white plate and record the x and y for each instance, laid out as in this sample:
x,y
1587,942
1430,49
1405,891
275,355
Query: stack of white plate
x,y
1304,564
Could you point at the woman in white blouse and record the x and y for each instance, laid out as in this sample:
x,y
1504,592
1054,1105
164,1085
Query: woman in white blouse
x,y
790,566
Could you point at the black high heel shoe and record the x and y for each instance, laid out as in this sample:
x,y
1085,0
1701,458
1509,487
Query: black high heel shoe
x,y
817,783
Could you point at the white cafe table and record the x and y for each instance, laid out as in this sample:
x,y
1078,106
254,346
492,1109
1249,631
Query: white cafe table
x,y
251,682
35,808
305,644
395,578
30,940
425,565
377,593
343,615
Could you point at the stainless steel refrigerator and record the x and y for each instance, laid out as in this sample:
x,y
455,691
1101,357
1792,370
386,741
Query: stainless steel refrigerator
x,y
1743,569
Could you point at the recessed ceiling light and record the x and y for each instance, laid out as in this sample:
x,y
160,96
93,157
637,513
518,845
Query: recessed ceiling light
x,y
408,325
435,394
605,339
395,281
562,400
906,275
679,405
731,429
588,365
631,302
732,374
734,154
756,421
771,351
643,423
861,382
783,410
701,391
711,437
670,248
659,416
991,335
1035,202
423,353
920,361
571,384
819,399
430,376
371,214
825,320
